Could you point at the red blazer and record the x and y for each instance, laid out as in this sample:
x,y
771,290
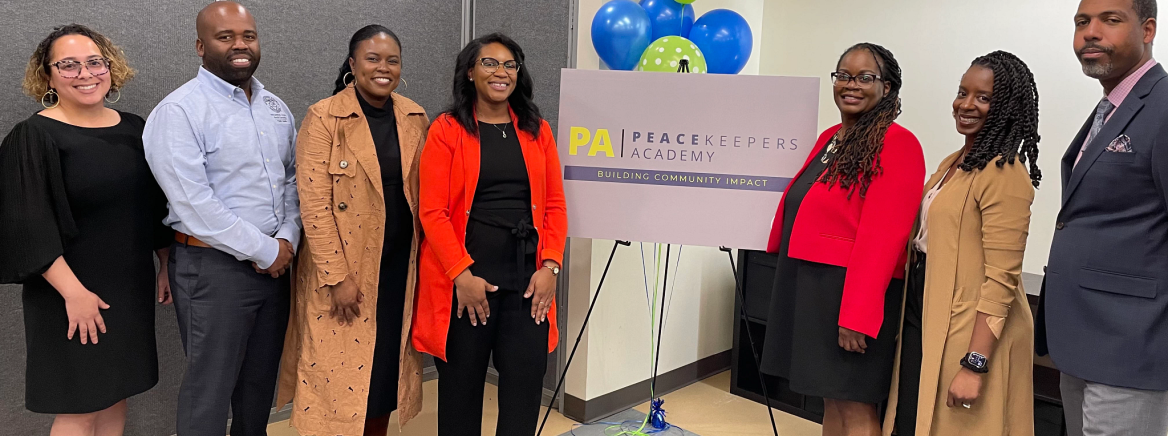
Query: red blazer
x,y
449,175
865,234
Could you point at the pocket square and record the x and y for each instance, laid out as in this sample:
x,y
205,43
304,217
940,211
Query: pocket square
x,y
1121,144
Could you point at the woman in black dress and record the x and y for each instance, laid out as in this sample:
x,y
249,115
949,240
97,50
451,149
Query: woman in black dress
x,y
357,158
841,233
80,214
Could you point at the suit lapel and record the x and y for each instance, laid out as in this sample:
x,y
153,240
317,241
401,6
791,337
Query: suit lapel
x,y
1113,127
354,133
1068,162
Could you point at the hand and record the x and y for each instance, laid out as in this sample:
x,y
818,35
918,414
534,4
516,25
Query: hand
x,y
164,296
472,296
347,299
852,340
282,263
84,312
965,389
543,288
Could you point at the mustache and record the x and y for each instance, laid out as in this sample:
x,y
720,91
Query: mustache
x,y
1106,50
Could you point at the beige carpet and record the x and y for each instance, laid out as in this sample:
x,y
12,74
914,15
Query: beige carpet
x,y
706,408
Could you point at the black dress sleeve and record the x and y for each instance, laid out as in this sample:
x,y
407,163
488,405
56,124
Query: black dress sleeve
x,y
35,219
161,234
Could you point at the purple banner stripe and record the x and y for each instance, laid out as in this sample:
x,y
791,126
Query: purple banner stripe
x,y
675,178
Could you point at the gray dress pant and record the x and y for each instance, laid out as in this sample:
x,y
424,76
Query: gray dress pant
x,y
232,321
1094,409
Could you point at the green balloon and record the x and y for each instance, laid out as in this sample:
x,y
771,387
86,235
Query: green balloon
x,y
665,54
686,2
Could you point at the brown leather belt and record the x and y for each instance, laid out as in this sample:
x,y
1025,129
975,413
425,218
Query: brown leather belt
x,y
186,239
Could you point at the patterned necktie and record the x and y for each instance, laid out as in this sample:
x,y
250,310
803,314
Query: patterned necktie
x,y
1101,112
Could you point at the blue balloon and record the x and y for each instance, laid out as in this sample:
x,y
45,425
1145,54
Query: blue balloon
x,y
621,31
725,39
669,17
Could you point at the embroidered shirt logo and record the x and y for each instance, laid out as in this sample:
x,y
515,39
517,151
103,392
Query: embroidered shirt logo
x,y
276,109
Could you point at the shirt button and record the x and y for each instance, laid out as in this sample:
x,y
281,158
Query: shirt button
x,y
1060,226
468,213
344,164
273,186
267,160
342,207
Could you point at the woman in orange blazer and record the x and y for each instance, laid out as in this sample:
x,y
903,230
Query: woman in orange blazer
x,y
492,208
841,232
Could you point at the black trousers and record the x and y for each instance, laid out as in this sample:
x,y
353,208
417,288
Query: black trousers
x,y
910,349
519,347
232,322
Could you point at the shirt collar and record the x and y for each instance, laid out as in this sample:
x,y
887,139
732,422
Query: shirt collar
x,y
1120,93
222,87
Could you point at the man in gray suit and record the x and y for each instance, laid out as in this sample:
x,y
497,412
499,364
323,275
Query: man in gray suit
x,y
1104,311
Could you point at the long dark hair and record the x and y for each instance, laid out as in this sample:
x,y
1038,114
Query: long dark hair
x,y
857,160
1011,128
465,95
364,34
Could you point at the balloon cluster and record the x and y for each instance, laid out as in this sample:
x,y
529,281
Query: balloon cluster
x,y
657,35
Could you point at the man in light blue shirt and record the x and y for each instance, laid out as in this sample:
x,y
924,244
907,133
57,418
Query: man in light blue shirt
x,y
222,148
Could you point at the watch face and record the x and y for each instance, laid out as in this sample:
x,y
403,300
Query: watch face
x,y
977,360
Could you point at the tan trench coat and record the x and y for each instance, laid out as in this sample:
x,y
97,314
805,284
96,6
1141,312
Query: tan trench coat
x,y
325,368
978,226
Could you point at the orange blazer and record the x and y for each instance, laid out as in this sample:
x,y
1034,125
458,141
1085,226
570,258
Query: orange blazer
x,y
449,175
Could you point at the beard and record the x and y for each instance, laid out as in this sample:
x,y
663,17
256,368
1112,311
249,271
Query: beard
x,y
221,66
1096,68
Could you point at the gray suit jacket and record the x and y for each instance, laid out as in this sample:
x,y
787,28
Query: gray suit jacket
x,y
1103,316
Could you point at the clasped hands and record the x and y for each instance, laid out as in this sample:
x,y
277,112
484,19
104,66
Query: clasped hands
x,y
283,260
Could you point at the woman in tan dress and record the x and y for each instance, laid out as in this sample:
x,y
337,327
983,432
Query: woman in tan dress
x,y
967,342
348,361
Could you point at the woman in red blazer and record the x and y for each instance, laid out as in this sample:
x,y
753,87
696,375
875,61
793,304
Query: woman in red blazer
x,y
840,233
492,208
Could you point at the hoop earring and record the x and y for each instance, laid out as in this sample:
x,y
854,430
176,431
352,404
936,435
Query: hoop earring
x,y
404,82
119,97
345,79
51,94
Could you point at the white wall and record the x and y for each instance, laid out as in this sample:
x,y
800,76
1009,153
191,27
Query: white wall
x,y
615,351
935,41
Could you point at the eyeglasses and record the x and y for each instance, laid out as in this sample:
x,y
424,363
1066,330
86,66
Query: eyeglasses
x,y
840,79
491,65
71,69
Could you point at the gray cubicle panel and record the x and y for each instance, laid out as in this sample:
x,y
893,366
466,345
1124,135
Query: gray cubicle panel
x,y
303,44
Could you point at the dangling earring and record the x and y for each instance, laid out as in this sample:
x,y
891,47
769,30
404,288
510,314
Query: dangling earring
x,y
119,97
53,95
345,79
404,82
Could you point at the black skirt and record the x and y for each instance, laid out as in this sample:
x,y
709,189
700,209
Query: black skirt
x,y
802,335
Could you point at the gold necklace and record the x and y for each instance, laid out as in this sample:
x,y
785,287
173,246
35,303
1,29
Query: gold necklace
x,y
831,146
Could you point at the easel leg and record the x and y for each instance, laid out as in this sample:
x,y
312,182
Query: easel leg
x,y
580,335
750,338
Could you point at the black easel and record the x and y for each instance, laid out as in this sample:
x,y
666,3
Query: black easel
x,y
660,325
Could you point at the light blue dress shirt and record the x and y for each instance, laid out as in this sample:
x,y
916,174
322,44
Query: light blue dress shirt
x,y
227,166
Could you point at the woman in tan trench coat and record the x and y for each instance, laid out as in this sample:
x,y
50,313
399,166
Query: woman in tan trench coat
x,y
348,362
966,349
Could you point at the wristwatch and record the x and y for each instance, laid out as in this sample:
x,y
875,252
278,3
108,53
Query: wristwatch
x,y
976,362
555,270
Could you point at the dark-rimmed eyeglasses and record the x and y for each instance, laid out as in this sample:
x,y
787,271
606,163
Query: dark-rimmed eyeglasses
x,y
491,65
840,79
71,69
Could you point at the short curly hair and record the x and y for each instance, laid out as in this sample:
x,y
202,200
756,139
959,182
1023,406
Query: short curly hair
x,y
36,75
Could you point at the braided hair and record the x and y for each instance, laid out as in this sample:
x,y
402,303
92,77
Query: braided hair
x,y
857,158
1011,128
